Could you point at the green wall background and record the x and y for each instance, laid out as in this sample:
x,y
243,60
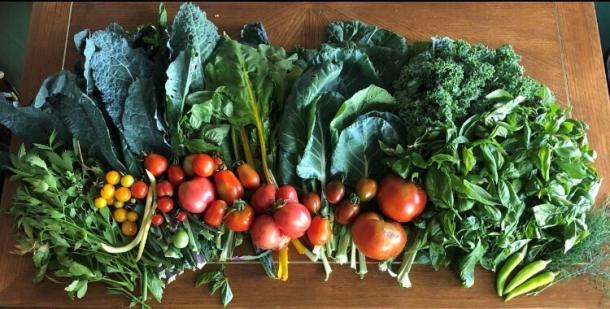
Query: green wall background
x,y
15,21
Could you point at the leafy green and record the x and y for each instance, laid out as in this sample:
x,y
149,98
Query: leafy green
x,y
386,49
358,153
445,83
503,179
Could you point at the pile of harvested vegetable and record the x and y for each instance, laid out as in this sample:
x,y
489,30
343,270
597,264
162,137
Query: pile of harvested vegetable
x,y
172,145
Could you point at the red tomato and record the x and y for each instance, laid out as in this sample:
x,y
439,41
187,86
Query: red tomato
x,y
263,198
164,188
287,193
187,164
267,235
157,220
181,216
335,190
165,204
195,195
293,219
312,201
175,174
319,231
139,190
347,211
366,188
240,220
399,200
228,186
378,239
203,165
156,164
248,176
215,213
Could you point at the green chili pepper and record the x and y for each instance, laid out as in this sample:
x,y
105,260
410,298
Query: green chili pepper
x,y
510,265
527,272
532,284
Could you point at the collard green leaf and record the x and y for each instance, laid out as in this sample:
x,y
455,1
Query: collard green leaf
x,y
368,99
293,124
358,152
387,50
314,164
139,120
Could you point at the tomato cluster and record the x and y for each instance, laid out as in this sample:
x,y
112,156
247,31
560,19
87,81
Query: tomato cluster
x,y
398,200
117,192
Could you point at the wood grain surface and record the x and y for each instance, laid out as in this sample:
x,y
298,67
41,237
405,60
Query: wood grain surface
x,y
560,46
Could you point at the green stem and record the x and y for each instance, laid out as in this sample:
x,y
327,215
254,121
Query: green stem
x,y
407,261
245,142
228,246
235,146
352,259
344,241
327,269
362,270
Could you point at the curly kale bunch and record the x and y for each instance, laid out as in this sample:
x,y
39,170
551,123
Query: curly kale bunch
x,y
445,81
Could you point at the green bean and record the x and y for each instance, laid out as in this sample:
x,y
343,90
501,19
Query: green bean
x,y
532,284
527,272
510,265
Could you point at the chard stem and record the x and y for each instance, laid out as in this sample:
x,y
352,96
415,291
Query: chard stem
x,y
228,246
362,270
327,269
352,259
243,134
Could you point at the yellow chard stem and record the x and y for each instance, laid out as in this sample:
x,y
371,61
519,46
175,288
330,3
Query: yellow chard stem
x,y
243,134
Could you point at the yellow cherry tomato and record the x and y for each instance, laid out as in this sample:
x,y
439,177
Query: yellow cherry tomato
x,y
132,216
129,228
113,177
107,191
100,202
120,215
118,204
127,181
122,194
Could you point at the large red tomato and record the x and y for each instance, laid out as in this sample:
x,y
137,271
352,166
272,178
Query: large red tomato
x,y
293,219
266,234
378,239
195,195
402,201
263,198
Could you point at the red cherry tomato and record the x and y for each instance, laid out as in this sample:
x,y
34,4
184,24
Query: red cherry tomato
x,y
293,219
203,165
164,188
181,216
312,201
399,200
139,190
165,204
187,164
157,219
248,176
156,164
335,190
378,239
175,175
366,188
267,235
240,220
263,198
215,213
347,210
228,186
196,194
319,231
287,193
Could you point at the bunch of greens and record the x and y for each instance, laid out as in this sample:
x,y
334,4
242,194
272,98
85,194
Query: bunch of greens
x,y
63,230
444,81
519,173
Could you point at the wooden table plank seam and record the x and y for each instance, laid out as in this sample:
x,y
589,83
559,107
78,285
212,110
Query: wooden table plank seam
x,y
564,75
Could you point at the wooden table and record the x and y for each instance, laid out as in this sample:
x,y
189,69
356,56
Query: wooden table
x,y
560,47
